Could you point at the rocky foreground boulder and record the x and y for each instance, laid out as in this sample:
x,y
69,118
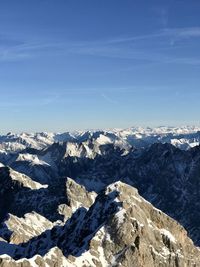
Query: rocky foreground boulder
x,y
115,228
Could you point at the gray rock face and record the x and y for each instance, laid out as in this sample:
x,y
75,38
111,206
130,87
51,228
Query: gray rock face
x,y
119,229
25,228
47,219
165,175
77,197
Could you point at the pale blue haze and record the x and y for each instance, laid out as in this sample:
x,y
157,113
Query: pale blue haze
x,y
82,64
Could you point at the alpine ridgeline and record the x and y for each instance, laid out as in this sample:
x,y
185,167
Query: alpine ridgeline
x,y
97,217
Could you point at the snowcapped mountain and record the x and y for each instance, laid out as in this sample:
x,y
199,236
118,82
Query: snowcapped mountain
x,y
182,137
91,219
115,228
165,175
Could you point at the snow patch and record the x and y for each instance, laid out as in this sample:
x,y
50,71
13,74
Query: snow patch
x,y
165,232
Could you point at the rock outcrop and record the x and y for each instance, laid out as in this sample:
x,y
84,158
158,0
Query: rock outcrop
x,y
119,229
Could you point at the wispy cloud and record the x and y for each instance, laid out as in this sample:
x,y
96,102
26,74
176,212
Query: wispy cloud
x,y
148,48
186,32
183,32
109,99
12,49
161,13
40,101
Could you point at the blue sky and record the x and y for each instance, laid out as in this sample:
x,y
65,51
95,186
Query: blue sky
x,y
68,64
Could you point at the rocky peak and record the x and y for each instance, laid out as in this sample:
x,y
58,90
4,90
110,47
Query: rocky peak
x,y
7,173
78,194
136,234
120,229
77,197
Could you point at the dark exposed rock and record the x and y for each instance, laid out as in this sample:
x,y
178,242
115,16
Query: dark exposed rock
x,y
119,229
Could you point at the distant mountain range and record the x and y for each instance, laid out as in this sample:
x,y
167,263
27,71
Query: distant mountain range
x,y
182,137
92,219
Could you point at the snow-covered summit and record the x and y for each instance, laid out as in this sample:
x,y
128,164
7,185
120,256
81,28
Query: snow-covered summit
x,y
182,137
117,228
